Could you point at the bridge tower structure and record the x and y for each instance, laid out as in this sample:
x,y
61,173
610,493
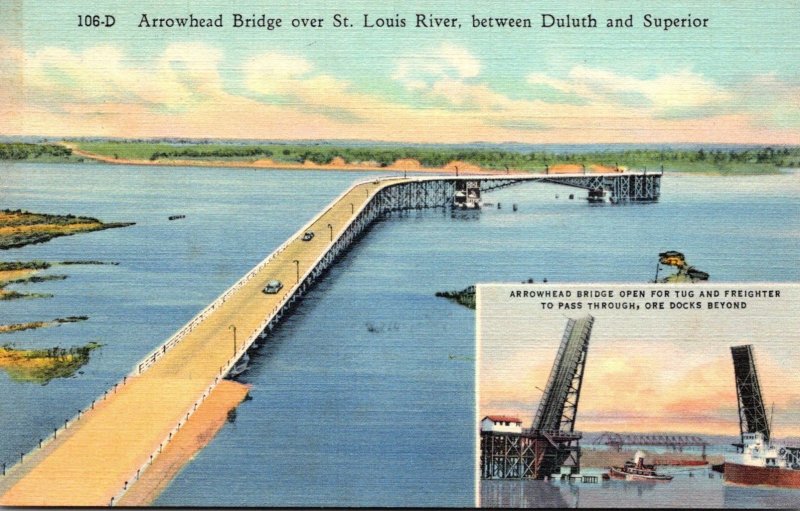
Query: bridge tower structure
x,y
752,414
552,442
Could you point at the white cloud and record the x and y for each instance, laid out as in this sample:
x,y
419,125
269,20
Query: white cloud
x,y
275,73
680,92
772,101
421,71
104,90
181,76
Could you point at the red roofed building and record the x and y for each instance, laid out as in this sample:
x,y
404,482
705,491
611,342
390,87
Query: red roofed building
x,y
501,424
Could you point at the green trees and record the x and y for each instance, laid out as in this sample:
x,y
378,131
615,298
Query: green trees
x,y
24,151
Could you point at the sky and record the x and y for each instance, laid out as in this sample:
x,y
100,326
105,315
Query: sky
x,y
735,81
666,371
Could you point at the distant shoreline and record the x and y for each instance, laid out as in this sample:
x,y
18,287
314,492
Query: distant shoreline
x,y
395,159
267,163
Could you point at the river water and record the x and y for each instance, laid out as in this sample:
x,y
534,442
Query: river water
x,y
364,396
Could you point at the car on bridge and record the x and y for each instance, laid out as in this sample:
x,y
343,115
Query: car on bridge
x,y
273,286
308,236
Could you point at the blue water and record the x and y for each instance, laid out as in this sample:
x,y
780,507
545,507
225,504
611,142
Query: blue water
x,y
364,396
693,489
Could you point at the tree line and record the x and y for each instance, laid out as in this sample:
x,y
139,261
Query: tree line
x,y
24,151
487,158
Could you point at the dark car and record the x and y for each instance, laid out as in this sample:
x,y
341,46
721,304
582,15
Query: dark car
x,y
273,286
308,235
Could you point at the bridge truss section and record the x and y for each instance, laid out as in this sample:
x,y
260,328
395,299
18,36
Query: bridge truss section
x,y
416,195
559,405
752,414
623,187
675,442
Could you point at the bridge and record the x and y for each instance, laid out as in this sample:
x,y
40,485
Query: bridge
x,y
552,442
675,442
95,457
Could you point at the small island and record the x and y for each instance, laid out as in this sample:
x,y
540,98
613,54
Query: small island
x,y
33,325
19,228
465,297
22,272
43,365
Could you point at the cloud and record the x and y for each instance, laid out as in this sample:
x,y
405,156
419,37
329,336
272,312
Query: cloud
x,y
183,75
422,70
638,386
771,101
442,97
674,94
448,74
275,73
11,86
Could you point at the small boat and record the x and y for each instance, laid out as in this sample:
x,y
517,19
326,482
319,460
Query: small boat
x,y
240,366
636,470
177,217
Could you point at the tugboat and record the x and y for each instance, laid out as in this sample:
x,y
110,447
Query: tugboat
x,y
636,470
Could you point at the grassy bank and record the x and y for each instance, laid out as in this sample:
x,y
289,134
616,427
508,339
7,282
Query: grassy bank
x,y
729,161
43,153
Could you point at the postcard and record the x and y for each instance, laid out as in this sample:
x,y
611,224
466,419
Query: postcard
x,y
242,246
637,395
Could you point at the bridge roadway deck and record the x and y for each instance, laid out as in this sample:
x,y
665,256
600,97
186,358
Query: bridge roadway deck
x,y
90,462
99,454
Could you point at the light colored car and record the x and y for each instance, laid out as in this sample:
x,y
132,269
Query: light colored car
x,y
273,286
308,236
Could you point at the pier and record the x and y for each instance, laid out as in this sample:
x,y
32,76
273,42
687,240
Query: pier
x,y
99,454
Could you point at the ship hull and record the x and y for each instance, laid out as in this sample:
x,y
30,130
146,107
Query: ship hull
x,y
751,475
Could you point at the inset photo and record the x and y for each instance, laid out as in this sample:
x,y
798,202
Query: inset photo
x,y
638,395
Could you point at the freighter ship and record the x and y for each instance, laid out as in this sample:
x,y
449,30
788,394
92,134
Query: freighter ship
x,y
757,461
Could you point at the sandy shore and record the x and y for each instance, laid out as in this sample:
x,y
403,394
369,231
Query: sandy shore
x,y
198,431
338,164
11,276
